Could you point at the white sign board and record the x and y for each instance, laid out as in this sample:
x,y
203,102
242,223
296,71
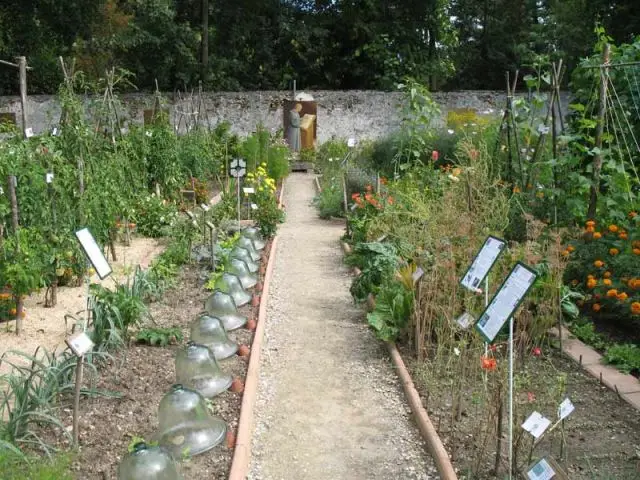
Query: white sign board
x,y
93,251
55,131
541,471
536,424
80,344
565,409
49,177
506,301
28,132
417,275
254,206
465,320
248,190
482,263
204,207
351,142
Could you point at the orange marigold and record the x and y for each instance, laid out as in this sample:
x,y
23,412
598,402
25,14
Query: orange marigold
x,y
622,296
591,283
571,248
589,277
590,223
590,229
636,244
596,307
635,308
623,235
597,235
613,228
607,282
612,293
614,251
607,274
598,264
636,251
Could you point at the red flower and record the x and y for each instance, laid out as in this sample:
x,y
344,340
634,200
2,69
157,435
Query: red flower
x,y
435,155
531,397
355,196
488,363
536,351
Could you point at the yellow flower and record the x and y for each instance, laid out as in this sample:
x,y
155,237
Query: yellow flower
x,y
614,251
613,228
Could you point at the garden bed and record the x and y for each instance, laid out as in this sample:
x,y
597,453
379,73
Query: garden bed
x,y
602,435
142,375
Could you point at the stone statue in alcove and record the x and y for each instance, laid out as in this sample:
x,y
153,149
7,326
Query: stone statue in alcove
x,y
293,133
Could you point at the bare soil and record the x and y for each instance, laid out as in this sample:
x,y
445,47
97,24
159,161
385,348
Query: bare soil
x,y
602,435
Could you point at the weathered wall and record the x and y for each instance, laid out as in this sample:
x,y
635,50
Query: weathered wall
x,y
360,114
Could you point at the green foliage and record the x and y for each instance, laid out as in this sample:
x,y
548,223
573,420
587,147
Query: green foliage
x,y
154,216
330,202
394,307
18,467
586,331
160,336
377,261
626,357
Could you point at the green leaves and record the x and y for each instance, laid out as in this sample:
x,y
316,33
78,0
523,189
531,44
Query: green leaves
x,y
160,336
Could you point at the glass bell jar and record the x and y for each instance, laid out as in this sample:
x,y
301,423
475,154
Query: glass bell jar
x,y
253,233
197,368
231,284
239,267
185,426
209,331
244,255
247,243
222,306
148,463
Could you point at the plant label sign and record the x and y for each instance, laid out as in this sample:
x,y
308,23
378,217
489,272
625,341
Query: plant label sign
x,y
55,131
417,275
351,142
254,206
536,424
565,409
248,190
94,253
49,177
210,225
465,320
541,471
190,214
28,132
238,168
506,301
80,344
204,207
483,262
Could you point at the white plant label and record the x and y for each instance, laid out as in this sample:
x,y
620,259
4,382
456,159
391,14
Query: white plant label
x,y
541,471
254,206
417,275
565,409
93,251
506,301
248,190
465,320
49,177
80,344
190,214
381,238
536,424
28,132
204,207
351,142
55,131
354,206
482,263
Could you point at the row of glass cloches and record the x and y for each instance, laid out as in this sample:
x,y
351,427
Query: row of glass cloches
x,y
185,426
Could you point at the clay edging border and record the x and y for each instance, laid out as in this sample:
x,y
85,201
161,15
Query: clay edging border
x,y
427,430
242,451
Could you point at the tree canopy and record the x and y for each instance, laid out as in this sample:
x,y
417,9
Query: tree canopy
x,y
334,44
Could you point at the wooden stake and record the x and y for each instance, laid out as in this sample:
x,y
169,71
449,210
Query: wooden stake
x,y
16,227
602,111
76,398
22,67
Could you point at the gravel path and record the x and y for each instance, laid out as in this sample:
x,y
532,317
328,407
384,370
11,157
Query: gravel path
x,y
329,404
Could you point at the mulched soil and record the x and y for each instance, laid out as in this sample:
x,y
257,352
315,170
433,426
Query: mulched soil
x,y
142,375
602,435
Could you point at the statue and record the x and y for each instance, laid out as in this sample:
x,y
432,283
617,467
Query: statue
x,y
293,133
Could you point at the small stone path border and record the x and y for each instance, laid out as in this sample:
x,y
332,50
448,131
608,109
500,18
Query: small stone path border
x,y
242,451
626,386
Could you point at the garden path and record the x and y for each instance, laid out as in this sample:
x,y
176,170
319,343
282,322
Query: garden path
x,y
329,403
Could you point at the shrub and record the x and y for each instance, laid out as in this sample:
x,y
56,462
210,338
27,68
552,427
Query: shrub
x,y
330,201
153,216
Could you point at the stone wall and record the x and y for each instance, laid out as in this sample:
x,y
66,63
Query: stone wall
x,y
359,114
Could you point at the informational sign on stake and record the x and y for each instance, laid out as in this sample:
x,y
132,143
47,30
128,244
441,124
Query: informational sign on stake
x,y
506,301
79,343
237,169
417,275
94,253
204,207
28,132
565,409
49,177
465,320
541,471
351,142
190,214
248,190
482,263
254,206
536,424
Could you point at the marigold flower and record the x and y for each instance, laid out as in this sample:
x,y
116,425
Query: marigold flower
x,y
571,248
635,308
636,251
612,293
613,228
591,283
614,251
607,274
590,276
590,229
596,307
636,244
607,282
597,235
598,264
516,189
590,223
622,296
565,253
623,235
488,363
